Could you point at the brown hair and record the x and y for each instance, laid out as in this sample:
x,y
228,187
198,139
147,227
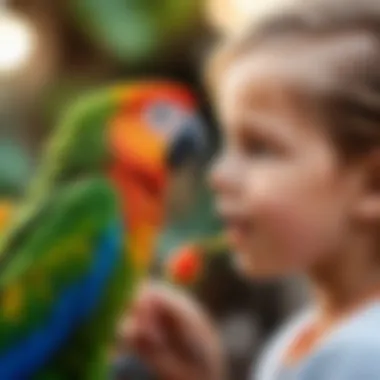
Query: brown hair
x,y
349,101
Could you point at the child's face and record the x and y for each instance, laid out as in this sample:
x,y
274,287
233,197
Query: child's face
x,y
279,186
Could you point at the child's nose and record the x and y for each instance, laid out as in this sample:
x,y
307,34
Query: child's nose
x,y
224,176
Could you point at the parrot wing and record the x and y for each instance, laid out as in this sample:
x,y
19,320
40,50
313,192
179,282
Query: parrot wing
x,y
54,275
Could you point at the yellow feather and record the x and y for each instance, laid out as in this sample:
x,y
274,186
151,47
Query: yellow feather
x,y
141,248
6,211
12,302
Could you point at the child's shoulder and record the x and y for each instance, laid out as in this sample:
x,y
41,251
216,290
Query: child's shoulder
x,y
359,333
270,359
353,352
354,346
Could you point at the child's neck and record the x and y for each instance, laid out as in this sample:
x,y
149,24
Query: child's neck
x,y
348,281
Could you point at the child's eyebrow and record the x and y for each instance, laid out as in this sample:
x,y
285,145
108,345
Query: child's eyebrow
x,y
268,125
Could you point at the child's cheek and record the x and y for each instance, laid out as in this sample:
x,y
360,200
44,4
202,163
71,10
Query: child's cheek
x,y
293,222
296,231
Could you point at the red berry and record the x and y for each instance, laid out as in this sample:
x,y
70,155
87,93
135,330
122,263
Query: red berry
x,y
185,266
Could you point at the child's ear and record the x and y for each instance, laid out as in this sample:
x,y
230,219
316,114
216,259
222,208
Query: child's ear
x,y
368,206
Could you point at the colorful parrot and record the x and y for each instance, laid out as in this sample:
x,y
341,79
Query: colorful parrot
x,y
70,260
187,265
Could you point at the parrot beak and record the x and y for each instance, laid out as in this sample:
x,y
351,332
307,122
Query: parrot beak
x,y
189,144
184,158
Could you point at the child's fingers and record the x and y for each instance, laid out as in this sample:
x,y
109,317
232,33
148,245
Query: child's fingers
x,y
189,337
173,303
170,367
139,322
167,364
163,359
172,335
184,339
181,317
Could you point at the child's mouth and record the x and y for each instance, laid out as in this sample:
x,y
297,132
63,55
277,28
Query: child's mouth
x,y
238,230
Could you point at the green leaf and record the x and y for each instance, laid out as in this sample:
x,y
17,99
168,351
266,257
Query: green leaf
x,y
15,168
131,30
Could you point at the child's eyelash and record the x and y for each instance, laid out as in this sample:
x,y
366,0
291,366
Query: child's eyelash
x,y
257,147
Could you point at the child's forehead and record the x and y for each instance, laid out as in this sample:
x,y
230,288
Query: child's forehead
x,y
254,83
289,68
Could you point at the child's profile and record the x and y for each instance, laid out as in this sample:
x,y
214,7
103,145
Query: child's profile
x,y
297,181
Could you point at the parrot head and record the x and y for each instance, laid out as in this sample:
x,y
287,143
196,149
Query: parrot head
x,y
137,135
156,131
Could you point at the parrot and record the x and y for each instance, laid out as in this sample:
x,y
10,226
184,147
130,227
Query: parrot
x,y
187,264
84,234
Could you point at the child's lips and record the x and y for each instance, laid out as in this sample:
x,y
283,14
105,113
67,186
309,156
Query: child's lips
x,y
238,231
238,225
236,237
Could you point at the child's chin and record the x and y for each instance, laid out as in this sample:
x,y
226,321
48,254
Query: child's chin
x,y
256,271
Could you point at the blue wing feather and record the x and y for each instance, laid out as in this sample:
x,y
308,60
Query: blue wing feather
x,y
70,310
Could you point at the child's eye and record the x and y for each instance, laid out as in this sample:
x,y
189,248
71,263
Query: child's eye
x,y
257,148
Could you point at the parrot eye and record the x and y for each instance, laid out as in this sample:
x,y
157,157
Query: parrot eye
x,y
160,113
164,116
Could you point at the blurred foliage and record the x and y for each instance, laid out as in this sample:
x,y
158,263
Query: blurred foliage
x,y
61,94
15,168
201,222
133,31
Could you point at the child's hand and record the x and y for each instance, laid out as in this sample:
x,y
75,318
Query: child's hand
x,y
173,336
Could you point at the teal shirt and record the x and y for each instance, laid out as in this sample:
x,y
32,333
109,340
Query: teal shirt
x,y
350,352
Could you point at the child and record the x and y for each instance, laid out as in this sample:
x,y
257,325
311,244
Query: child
x,y
298,186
